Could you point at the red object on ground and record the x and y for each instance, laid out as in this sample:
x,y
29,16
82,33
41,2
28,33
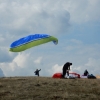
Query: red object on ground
x,y
77,75
57,75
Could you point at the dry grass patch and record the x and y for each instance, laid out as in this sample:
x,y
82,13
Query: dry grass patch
x,y
46,88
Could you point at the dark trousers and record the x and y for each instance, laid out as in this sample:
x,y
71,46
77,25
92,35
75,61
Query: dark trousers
x,y
64,73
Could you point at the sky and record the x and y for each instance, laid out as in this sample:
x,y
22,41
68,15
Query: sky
x,y
75,23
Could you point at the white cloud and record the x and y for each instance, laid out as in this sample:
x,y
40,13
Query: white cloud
x,y
21,18
38,60
5,55
55,69
93,65
1,73
76,41
21,59
8,68
87,58
83,11
33,17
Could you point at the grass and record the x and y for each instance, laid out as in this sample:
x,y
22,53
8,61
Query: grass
x,y
47,88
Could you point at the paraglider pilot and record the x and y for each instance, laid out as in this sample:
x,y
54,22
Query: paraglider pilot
x,y
66,69
37,72
86,73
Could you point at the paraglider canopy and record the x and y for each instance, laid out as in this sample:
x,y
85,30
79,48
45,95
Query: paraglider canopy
x,y
71,74
76,75
57,75
31,41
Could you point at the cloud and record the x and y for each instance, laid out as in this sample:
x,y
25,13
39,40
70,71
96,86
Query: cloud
x,y
25,63
55,69
59,18
76,41
83,11
82,56
93,64
1,73
21,65
38,61
6,56
24,18
21,59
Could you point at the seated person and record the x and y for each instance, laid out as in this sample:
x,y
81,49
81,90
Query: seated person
x,y
86,73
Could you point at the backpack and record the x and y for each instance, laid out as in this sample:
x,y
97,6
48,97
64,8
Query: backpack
x,y
91,76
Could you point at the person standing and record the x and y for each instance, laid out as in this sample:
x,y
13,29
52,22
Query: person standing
x,y
66,69
37,72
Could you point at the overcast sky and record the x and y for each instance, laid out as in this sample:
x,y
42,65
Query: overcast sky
x,y
76,24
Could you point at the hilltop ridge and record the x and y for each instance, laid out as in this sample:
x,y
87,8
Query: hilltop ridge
x,y
47,88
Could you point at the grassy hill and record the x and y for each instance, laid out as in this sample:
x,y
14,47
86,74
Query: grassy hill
x,y
46,88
